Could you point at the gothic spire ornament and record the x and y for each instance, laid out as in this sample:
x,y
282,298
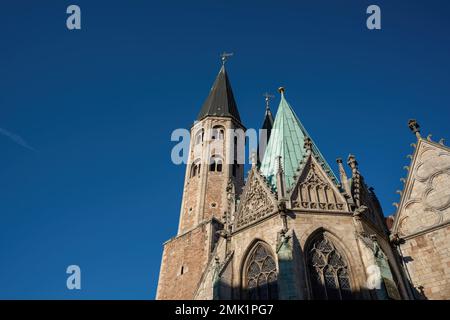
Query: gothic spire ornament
x,y
414,127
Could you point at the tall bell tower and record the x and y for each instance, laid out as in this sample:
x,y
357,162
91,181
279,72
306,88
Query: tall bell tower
x,y
214,166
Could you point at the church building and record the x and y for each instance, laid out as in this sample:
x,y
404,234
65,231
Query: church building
x,y
293,229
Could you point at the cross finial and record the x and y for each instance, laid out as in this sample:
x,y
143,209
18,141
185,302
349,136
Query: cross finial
x,y
267,97
224,56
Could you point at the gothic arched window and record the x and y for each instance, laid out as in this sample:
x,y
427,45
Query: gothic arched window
x,y
260,274
215,164
328,270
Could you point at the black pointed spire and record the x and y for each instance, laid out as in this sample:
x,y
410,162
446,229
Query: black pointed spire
x,y
267,126
268,122
220,101
268,118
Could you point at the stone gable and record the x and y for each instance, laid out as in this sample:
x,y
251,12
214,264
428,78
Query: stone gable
x,y
425,200
314,190
422,221
257,201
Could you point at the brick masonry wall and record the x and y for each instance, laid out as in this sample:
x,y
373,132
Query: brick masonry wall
x,y
427,257
189,251
188,216
215,198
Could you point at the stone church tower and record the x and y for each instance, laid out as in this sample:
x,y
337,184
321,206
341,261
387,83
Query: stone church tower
x,y
212,169
292,230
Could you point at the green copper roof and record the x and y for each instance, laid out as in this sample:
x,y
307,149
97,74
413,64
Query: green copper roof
x,y
287,140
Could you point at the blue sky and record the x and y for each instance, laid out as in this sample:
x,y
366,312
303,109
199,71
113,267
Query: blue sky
x,y
86,116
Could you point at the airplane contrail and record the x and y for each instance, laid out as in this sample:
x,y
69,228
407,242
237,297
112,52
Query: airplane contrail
x,y
17,139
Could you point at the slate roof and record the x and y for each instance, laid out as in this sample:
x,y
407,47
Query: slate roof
x,y
220,101
267,125
268,121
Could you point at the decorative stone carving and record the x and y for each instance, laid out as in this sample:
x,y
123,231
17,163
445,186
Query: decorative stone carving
x,y
390,290
357,214
316,193
369,200
426,200
255,202
437,194
414,127
431,162
395,239
364,195
231,203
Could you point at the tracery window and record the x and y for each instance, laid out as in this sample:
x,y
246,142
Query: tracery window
x,y
329,275
261,274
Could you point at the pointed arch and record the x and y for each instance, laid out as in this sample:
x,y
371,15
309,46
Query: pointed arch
x,y
259,272
327,268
